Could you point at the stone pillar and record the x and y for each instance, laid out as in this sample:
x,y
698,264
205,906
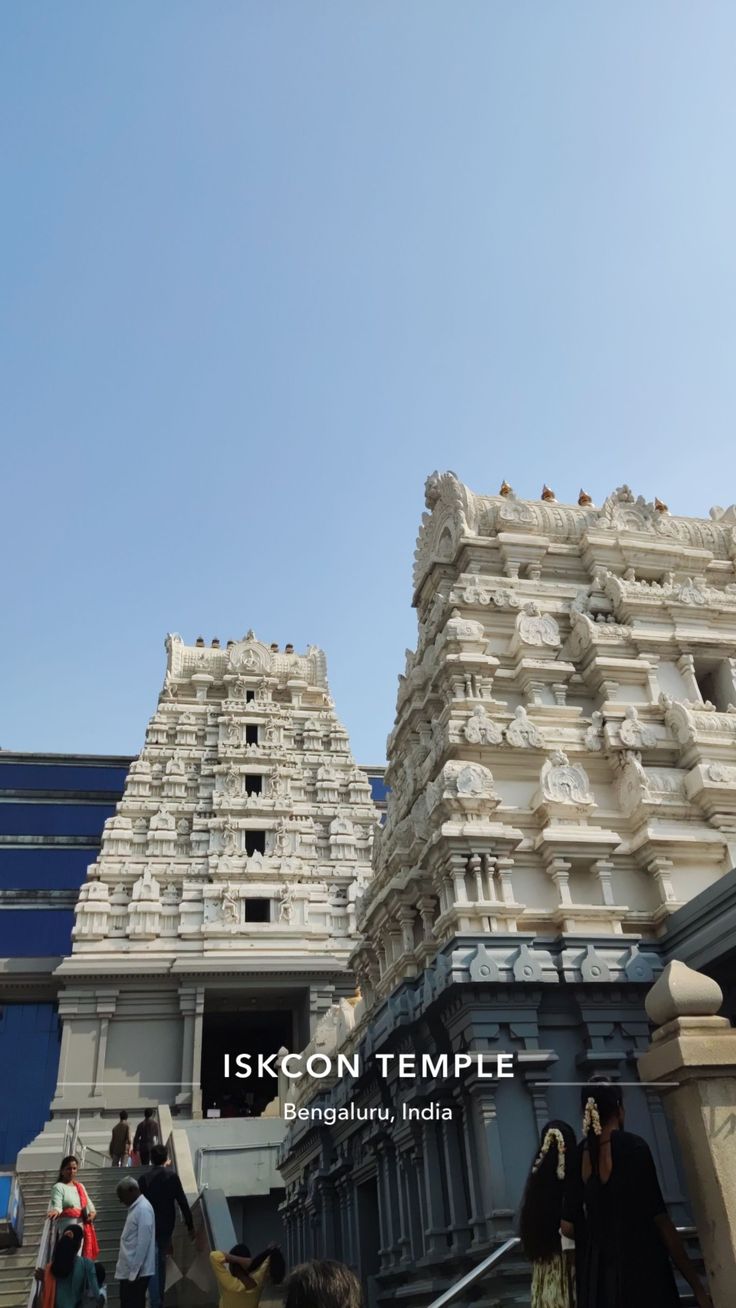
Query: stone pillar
x,y
66,1039
328,1219
105,1004
195,1066
187,1007
387,1203
103,1026
559,870
435,1232
401,1219
693,1058
458,1226
414,1247
476,1165
604,871
487,1131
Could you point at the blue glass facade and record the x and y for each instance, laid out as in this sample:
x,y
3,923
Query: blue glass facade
x,y
44,867
29,1053
52,811
379,789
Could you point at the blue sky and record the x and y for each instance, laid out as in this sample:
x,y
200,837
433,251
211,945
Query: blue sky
x,y
264,266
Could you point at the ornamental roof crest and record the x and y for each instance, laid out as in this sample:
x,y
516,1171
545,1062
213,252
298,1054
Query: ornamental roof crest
x,y
250,655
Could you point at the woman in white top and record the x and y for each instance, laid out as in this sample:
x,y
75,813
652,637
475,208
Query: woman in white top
x,y
70,1205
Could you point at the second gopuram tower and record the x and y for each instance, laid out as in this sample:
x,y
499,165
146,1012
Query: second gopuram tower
x,y
220,915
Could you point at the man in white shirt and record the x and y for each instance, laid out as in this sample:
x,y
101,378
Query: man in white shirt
x,y
137,1258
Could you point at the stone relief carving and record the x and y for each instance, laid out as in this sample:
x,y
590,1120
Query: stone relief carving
x,y
469,784
634,733
479,592
625,512
230,906
564,782
449,516
163,820
691,591
479,729
594,733
463,629
522,733
536,628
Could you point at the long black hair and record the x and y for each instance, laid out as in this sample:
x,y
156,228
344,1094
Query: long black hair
x,y
541,1207
67,1247
70,1158
600,1101
276,1266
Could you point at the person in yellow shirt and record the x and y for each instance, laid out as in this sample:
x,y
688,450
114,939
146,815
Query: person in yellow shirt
x,y
240,1278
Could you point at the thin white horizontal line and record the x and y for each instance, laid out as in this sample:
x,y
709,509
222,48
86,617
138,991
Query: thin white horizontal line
x,y
634,1084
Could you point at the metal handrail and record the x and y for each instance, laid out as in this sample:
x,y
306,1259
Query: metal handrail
x,y
498,1255
476,1273
74,1143
91,1149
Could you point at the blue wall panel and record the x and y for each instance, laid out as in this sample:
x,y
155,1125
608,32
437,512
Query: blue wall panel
x,y
29,1058
31,932
48,867
379,789
53,819
60,776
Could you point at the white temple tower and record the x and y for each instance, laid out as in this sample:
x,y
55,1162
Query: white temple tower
x,y
563,754
221,912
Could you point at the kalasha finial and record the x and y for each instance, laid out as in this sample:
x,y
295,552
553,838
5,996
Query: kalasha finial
x,y
660,506
584,499
547,494
505,489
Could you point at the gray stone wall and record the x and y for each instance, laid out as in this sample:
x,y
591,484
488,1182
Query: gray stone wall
x,y
441,1193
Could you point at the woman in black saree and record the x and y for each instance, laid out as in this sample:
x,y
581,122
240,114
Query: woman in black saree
x,y
630,1240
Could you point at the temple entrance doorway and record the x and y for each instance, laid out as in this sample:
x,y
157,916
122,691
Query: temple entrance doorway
x,y
234,1030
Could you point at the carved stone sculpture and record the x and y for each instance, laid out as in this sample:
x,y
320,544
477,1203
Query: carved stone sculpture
x,y
482,730
522,733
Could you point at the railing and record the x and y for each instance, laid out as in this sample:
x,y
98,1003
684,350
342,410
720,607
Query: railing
x,y
89,1156
494,1259
75,1144
477,1273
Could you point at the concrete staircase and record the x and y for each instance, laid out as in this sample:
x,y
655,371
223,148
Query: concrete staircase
x,y
17,1265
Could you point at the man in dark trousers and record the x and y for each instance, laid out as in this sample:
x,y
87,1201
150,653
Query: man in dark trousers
x,y
120,1145
146,1136
163,1190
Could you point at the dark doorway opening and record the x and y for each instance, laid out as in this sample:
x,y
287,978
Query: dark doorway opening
x,y
257,1219
253,784
236,1033
251,734
255,842
258,910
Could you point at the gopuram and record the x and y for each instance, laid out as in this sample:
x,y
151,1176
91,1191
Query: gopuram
x,y
222,910
562,775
